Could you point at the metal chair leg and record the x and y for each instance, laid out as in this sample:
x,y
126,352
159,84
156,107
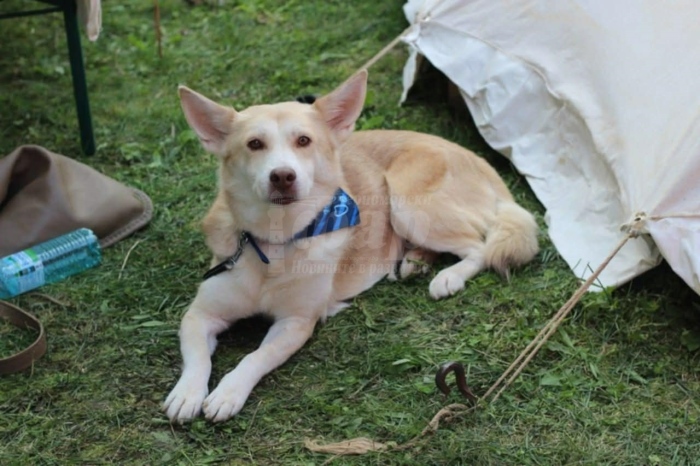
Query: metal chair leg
x,y
70,18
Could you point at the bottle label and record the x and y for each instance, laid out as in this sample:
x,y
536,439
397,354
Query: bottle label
x,y
28,269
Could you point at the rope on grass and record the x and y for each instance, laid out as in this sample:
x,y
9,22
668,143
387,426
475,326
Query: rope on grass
x,y
362,445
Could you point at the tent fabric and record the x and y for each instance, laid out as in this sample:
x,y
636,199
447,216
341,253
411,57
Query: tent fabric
x,y
597,104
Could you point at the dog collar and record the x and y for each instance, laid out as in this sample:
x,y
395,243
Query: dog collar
x,y
228,264
341,212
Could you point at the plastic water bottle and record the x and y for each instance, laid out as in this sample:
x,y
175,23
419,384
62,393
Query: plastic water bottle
x,y
48,262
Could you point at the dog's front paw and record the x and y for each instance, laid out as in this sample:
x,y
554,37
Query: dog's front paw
x,y
445,284
225,402
185,401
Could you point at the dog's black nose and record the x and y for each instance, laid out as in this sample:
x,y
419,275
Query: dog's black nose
x,y
282,178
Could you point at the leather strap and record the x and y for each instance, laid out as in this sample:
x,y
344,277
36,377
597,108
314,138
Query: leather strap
x,y
25,358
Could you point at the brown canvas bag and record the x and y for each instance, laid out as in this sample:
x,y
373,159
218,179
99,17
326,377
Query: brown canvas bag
x,y
44,195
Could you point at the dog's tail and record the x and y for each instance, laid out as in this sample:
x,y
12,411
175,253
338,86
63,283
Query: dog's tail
x,y
512,240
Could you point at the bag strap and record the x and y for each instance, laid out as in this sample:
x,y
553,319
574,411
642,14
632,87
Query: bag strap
x,y
25,358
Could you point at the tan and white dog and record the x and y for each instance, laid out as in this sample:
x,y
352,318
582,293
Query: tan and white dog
x,y
280,166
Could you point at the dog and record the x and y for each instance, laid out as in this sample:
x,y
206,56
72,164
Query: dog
x,y
309,214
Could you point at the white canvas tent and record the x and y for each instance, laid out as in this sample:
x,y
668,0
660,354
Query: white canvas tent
x,y
597,104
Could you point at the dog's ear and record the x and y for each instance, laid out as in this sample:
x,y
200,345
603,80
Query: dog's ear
x,y
211,121
343,106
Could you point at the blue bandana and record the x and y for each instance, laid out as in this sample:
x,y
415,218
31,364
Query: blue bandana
x,y
341,212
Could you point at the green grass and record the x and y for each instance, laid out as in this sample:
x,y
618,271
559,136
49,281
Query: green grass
x,y
618,384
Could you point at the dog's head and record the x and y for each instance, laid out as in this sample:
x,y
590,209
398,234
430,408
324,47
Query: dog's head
x,y
280,154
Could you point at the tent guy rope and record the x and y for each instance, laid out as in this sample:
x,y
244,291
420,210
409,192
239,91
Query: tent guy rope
x,y
531,350
379,55
384,51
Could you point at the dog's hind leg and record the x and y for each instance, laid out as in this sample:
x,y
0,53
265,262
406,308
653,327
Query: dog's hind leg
x,y
436,211
451,280
284,338
439,232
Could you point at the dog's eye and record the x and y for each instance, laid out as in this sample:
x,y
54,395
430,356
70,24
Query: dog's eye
x,y
255,144
303,141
